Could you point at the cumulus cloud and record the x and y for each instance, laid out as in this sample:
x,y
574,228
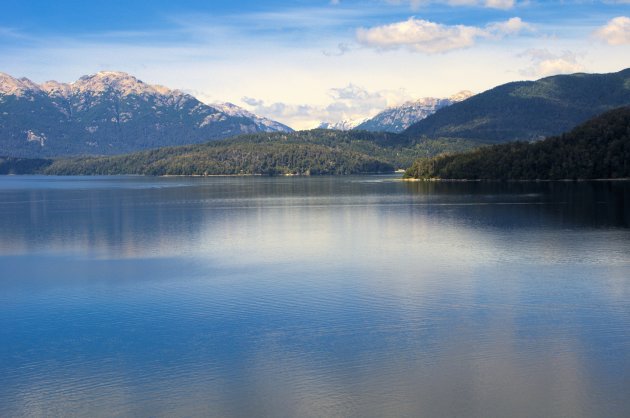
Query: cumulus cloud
x,y
546,63
350,102
512,26
492,4
424,36
616,31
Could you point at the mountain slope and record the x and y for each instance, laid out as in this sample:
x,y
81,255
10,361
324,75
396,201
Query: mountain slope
x,y
528,110
262,124
598,149
397,119
110,113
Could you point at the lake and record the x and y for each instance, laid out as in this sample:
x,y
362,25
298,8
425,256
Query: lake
x,y
313,297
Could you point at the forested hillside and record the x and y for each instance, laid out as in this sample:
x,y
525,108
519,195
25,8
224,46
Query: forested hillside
x,y
306,153
598,149
528,110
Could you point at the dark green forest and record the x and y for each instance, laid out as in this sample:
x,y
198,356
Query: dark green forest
x,y
597,149
13,165
313,152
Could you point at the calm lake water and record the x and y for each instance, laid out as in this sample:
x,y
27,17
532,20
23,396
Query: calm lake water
x,y
313,297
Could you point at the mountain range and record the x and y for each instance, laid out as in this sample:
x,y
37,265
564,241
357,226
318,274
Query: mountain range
x,y
114,113
528,110
111,113
398,118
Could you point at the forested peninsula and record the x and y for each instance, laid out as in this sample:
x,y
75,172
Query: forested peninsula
x,y
597,149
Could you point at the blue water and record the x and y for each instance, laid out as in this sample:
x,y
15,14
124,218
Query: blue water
x,y
313,297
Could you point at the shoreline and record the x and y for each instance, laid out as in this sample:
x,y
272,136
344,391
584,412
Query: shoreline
x,y
511,180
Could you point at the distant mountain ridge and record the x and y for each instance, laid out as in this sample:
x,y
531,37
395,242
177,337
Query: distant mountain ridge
x,y
111,113
399,118
263,124
343,125
528,110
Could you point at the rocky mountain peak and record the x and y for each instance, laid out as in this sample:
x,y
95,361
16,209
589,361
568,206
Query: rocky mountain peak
x,y
118,81
16,87
56,89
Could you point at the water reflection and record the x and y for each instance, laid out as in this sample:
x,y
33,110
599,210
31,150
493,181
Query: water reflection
x,y
313,297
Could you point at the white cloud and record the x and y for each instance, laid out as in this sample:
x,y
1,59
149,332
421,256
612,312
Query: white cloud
x,y
500,4
546,63
491,4
616,31
512,26
424,36
350,102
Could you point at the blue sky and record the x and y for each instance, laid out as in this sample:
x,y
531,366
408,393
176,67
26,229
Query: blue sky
x,y
302,62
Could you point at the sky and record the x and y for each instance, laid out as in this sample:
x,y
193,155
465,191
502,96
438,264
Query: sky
x,y
303,62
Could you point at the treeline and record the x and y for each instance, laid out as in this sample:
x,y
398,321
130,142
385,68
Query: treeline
x,y
240,158
11,165
313,152
600,148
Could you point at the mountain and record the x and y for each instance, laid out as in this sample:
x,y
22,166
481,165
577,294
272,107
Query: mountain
x,y
597,149
110,113
262,124
344,125
528,110
397,119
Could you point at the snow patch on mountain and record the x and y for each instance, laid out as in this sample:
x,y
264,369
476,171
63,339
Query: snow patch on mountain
x,y
33,137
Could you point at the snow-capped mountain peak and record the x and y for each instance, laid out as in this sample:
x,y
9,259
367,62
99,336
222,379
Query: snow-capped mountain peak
x,y
111,112
120,82
56,89
342,125
21,87
397,119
